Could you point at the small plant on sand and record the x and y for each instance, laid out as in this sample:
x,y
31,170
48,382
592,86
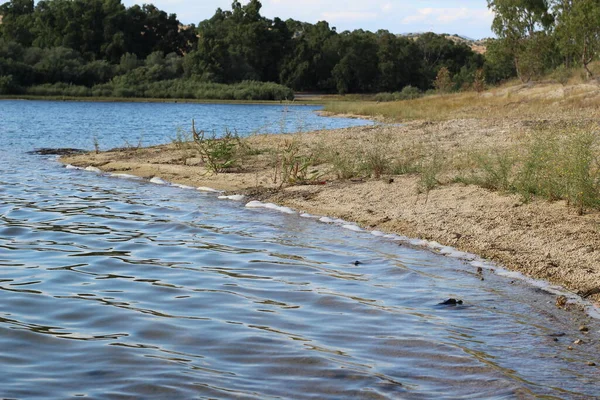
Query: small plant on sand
x,y
184,143
218,154
344,161
538,175
495,170
292,167
580,169
133,148
376,159
430,167
96,144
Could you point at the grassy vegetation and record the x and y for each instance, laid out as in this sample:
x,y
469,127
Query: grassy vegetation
x,y
555,163
512,99
551,159
166,89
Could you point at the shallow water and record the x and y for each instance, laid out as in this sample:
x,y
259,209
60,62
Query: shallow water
x,y
116,288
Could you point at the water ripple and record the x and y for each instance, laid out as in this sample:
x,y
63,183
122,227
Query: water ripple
x,y
122,289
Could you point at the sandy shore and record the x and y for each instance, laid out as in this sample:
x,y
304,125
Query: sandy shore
x,y
541,239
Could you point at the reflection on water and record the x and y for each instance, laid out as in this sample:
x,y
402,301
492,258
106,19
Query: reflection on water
x,y
123,289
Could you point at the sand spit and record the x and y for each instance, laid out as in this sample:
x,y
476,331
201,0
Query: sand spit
x,y
540,239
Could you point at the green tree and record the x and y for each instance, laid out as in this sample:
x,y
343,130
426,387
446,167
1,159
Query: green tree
x,y
443,81
239,45
17,20
357,71
499,61
523,26
578,30
398,66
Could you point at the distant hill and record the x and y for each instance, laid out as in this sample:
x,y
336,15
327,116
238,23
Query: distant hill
x,y
478,46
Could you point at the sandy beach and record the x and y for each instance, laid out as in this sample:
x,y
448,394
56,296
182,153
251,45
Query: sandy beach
x,y
542,239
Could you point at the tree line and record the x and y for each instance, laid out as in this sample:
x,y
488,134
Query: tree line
x,y
101,47
539,36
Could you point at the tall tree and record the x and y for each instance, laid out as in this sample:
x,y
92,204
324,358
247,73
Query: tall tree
x,y
17,19
239,45
518,24
578,30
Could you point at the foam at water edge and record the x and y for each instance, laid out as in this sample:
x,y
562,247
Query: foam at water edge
x,y
179,185
93,169
234,197
69,166
208,189
328,220
354,228
307,215
270,206
125,176
158,181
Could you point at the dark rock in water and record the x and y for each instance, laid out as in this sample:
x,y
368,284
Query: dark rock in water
x,y
58,152
451,302
357,263
561,301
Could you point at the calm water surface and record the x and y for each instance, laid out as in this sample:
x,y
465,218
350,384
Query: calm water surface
x,y
116,288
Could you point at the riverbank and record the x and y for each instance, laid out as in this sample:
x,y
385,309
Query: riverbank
x,y
399,179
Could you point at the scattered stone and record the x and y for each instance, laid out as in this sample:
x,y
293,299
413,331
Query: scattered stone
x,y
583,328
451,302
479,270
357,263
578,341
391,180
561,301
591,363
555,339
456,236
570,348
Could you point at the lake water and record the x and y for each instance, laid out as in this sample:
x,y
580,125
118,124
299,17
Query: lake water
x,y
115,288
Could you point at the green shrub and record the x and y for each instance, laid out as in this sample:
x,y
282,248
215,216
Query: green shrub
x,y
218,154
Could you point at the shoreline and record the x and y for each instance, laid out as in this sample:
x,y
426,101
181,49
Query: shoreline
x,y
301,102
540,239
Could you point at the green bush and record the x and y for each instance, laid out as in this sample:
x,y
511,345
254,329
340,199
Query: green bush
x,y
408,93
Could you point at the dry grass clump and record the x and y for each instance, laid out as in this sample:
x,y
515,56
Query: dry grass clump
x,y
556,163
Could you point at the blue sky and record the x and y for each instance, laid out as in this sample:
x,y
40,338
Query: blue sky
x,y
469,18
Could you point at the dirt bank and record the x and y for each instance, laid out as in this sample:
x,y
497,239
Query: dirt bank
x,y
542,239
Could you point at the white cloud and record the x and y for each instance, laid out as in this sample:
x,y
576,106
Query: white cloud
x,y
448,15
348,16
